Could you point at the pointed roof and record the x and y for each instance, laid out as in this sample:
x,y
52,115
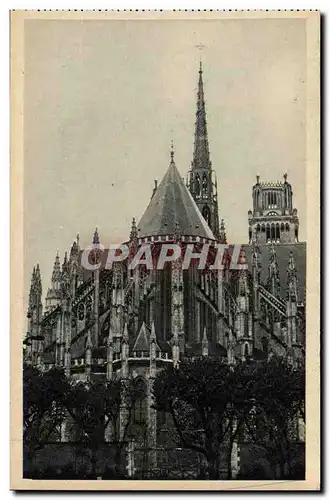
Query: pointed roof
x,y
172,209
201,157
144,338
74,251
96,238
56,275
37,280
65,265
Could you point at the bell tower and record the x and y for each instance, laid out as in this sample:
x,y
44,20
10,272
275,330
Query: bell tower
x,y
273,218
201,181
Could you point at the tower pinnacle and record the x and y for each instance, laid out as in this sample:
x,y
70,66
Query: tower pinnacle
x,y
56,275
96,238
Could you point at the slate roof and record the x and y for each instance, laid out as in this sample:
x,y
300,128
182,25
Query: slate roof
x,y
171,207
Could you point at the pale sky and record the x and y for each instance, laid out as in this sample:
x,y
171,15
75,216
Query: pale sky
x,y
103,99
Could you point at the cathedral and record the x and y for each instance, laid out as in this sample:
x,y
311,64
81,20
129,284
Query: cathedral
x,y
124,322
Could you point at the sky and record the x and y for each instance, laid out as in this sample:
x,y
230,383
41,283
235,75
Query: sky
x,y
104,99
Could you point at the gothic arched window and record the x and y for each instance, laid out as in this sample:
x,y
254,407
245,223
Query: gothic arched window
x,y
257,199
197,186
204,186
272,232
269,199
277,232
81,312
140,406
206,214
88,307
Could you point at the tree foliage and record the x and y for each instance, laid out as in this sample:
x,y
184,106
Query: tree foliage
x,y
213,403
44,396
49,398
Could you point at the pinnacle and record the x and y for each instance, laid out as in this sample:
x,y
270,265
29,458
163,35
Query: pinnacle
x,y
96,238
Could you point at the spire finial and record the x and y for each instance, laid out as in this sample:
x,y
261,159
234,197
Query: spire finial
x,y
172,151
200,47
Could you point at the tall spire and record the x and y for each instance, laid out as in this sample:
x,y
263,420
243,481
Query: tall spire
x,y
37,282
201,158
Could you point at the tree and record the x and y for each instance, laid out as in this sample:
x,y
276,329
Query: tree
x,y
199,397
212,403
278,391
43,406
96,405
